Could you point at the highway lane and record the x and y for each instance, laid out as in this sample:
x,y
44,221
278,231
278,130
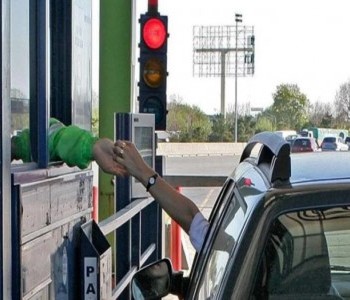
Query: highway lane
x,y
201,165
204,197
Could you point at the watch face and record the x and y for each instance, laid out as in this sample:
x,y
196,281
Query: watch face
x,y
151,181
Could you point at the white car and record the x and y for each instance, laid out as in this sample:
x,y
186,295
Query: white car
x,y
332,143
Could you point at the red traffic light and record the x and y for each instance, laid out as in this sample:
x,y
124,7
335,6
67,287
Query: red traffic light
x,y
154,33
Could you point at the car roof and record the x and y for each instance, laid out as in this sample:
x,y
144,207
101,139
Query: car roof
x,y
281,167
303,138
320,166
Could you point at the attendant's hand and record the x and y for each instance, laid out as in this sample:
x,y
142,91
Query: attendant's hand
x,y
126,154
104,157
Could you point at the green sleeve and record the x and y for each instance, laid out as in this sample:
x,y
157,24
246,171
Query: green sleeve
x,y
21,146
72,145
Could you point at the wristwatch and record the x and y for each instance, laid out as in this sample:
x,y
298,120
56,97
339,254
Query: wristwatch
x,y
151,181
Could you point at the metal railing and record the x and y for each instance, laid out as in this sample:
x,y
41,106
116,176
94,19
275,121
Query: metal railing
x,y
132,213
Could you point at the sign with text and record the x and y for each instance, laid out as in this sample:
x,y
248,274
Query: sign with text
x,y
95,263
90,278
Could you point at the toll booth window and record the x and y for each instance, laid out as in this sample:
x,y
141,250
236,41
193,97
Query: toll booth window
x,y
19,47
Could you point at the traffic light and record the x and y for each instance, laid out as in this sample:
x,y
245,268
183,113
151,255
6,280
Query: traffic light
x,y
153,67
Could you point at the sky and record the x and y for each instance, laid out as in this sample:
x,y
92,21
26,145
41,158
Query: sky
x,y
303,42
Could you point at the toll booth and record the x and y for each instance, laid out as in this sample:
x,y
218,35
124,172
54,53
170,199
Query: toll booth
x,y
48,208
45,205
50,76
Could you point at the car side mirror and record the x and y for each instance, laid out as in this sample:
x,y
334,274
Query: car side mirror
x,y
152,281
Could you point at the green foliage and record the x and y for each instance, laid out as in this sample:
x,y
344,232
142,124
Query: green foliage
x,y
342,105
17,93
191,124
320,115
326,121
291,110
290,107
222,129
263,123
246,128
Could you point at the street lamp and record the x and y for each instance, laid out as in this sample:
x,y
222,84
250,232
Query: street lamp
x,y
238,19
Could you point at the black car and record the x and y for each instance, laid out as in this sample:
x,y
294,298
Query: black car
x,y
289,218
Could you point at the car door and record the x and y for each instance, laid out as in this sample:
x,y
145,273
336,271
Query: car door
x,y
227,224
305,251
209,265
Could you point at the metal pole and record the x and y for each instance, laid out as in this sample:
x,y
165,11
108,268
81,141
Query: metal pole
x,y
238,18
176,243
236,114
223,102
152,7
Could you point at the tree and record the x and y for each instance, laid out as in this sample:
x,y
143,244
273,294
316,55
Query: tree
x,y
342,104
246,128
222,129
290,107
320,115
264,123
17,93
19,110
189,122
326,121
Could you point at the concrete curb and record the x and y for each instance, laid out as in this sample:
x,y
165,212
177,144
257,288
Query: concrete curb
x,y
200,149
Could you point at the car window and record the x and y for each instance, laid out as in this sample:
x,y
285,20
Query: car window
x,y
224,241
302,143
307,256
329,140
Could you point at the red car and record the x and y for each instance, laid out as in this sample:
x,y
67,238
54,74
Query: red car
x,y
304,144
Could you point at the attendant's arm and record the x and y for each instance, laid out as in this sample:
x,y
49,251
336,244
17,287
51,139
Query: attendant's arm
x,y
78,147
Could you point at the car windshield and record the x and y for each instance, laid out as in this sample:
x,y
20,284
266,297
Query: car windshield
x,y
221,248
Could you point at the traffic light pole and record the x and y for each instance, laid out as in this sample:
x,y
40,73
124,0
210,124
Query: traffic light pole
x,y
152,7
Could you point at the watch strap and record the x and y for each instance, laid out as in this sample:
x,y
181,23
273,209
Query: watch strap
x,y
151,181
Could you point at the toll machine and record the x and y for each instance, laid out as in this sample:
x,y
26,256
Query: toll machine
x,y
143,232
50,77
